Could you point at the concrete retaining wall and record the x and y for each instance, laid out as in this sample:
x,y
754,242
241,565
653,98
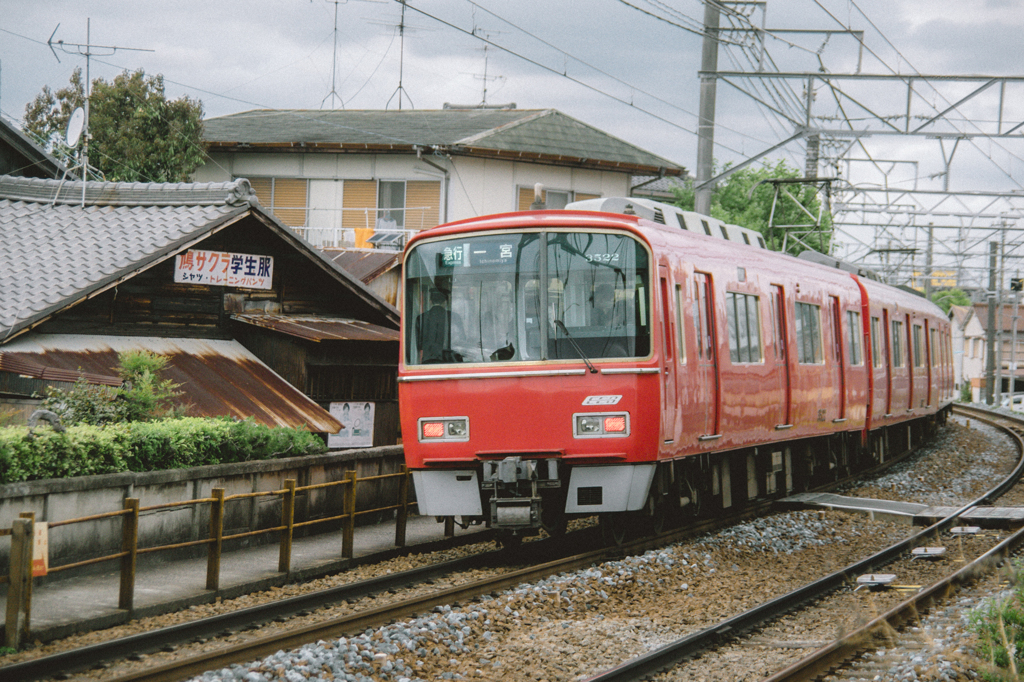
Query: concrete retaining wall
x,y
59,500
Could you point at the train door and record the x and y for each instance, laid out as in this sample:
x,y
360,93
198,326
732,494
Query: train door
x,y
929,338
837,354
668,389
780,336
888,362
707,352
909,358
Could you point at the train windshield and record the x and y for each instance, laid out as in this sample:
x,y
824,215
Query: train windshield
x,y
519,297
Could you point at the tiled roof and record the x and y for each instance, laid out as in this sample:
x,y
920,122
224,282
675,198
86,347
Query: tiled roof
x,y
56,252
500,132
27,158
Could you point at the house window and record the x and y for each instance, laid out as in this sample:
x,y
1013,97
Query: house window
x,y
552,198
741,314
391,205
285,197
808,333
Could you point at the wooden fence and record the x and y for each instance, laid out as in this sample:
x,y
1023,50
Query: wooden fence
x,y
19,592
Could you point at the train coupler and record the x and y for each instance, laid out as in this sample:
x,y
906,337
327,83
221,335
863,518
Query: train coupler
x,y
515,512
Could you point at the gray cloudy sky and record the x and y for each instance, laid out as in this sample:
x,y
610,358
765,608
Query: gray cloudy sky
x,y
236,55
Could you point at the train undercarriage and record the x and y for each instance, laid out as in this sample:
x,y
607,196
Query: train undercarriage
x,y
520,496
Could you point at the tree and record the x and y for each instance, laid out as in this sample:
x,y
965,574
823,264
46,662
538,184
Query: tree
x,y
732,202
947,298
135,133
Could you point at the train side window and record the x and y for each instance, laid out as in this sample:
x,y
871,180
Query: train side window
x,y
876,335
680,329
853,322
743,319
898,355
698,320
917,337
807,322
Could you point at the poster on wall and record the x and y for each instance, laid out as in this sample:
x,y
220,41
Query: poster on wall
x,y
356,425
216,268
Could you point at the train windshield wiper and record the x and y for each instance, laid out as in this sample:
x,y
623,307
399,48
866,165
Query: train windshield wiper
x,y
576,346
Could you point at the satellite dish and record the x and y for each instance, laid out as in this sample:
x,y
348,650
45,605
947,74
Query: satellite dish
x,y
75,125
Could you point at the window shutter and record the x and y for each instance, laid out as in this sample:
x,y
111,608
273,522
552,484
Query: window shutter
x,y
264,188
359,194
422,203
526,198
290,201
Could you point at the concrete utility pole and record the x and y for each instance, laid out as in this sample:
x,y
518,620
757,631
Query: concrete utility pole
x,y
706,122
990,333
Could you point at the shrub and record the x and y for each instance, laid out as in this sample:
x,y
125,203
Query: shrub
x,y
144,395
1000,627
88,449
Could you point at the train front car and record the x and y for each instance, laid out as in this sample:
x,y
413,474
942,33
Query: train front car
x,y
527,354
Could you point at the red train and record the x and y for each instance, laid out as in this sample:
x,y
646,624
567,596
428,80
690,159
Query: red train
x,y
560,363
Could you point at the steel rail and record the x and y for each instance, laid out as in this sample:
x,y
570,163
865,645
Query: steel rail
x,y
671,654
86,657
841,650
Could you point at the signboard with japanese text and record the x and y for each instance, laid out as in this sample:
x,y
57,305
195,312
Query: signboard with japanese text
x,y
41,549
218,268
356,425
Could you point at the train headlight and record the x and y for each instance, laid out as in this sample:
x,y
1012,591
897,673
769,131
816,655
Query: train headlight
x,y
443,429
588,425
602,425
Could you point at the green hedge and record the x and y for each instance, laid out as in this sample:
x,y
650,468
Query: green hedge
x,y
144,446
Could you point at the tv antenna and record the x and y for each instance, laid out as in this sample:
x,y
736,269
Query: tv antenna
x,y
486,35
88,50
402,26
333,94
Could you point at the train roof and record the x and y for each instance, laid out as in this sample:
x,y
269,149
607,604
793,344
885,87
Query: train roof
x,y
671,216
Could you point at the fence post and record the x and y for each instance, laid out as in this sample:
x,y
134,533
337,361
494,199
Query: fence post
x,y
349,533
31,516
284,563
130,549
20,575
403,507
217,535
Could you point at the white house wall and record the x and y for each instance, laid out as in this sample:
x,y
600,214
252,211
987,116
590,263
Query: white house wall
x,y
475,186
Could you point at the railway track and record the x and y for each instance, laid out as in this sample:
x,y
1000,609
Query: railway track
x,y
256,646
828,658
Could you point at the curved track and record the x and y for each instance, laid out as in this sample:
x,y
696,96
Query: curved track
x,y
541,554
828,657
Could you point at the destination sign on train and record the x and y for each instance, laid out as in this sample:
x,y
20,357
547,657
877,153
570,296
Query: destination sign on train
x,y
480,253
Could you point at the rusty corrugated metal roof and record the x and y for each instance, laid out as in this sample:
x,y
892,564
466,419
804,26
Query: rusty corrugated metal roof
x,y
217,377
364,265
18,365
316,328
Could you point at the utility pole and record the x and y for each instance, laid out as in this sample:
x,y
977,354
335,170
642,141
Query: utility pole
x,y
706,122
990,335
928,262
